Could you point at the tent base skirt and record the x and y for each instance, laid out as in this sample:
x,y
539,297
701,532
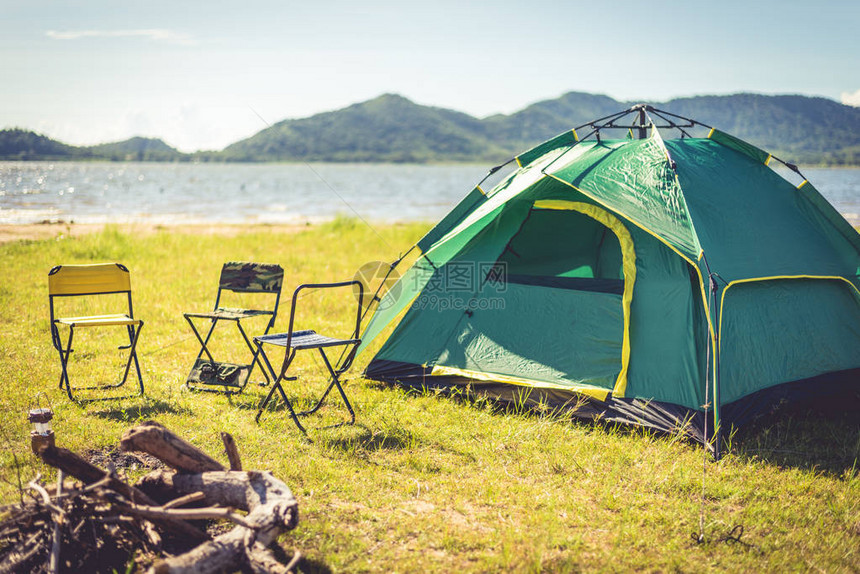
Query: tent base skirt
x,y
832,391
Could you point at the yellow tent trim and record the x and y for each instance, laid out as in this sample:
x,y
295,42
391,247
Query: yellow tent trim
x,y
443,371
478,187
802,183
776,277
575,135
710,133
519,163
628,255
769,157
681,255
664,242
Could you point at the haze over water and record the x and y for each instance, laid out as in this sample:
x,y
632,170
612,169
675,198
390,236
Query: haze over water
x,y
92,192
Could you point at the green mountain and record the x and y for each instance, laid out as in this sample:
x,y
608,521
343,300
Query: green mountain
x,y
799,129
541,121
387,128
18,144
21,145
391,128
137,149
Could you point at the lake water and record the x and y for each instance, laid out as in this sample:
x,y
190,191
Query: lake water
x,y
94,192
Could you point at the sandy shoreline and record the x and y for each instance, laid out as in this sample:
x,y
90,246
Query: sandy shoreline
x,y
35,231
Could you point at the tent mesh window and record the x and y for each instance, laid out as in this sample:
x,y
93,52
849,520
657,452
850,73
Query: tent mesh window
x,y
564,249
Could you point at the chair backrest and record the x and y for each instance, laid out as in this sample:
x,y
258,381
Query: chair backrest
x,y
356,289
98,279
82,280
248,277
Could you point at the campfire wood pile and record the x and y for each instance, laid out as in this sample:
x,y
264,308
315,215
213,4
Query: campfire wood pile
x,y
99,521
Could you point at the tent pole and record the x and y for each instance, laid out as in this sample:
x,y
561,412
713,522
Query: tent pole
x,y
494,170
643,133
712,284
718,427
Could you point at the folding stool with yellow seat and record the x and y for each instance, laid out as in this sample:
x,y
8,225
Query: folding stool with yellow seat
x,y
69,281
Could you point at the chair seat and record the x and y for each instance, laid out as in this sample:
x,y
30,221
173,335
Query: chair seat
x,y
98,320
229,313
305,340
225,374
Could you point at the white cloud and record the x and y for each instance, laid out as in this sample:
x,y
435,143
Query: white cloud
x,y
851,98
154,34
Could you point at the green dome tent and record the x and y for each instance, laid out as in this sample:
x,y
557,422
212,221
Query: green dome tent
x,y
676,284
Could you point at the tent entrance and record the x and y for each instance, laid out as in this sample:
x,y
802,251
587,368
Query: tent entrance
x,y
564,249
563,316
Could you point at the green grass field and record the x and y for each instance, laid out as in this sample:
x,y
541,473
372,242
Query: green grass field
x,y
424,483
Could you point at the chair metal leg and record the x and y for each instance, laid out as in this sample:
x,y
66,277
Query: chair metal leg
x,y
58,345
265,401
260,353
131,342
278,379
203,343
336,376
334,381
57,340
204,349
256,359
276,386
134,337
293,414
64,359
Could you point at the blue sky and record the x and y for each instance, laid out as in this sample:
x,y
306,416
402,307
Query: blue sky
x,y
197,73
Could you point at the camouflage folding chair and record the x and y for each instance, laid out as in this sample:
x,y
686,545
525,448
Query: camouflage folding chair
x,y
83,281
241,277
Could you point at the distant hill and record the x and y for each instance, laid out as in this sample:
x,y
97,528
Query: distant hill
x,y
137,149
18,144
391,128
799,129
388,128
541,121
